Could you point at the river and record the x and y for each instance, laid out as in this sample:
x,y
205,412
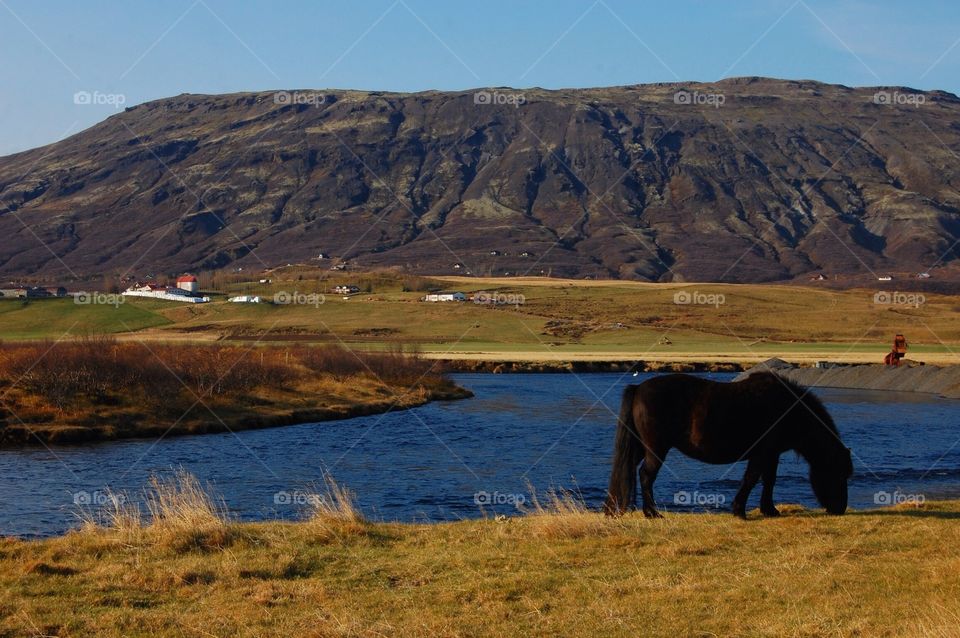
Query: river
x,y
474,457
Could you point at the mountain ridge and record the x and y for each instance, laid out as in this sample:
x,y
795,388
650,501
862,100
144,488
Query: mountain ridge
x,y
749,179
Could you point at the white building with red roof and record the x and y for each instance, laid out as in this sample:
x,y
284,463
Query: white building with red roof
x,y
188,283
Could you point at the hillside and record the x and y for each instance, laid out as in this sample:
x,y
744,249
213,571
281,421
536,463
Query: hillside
x,y
781,179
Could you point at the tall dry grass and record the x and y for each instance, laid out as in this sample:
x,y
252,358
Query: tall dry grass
x,y
335,502
97,369
561,513
395,365
118,514
333,512
182,514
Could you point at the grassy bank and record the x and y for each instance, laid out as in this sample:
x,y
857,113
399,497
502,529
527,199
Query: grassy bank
x,y
95,389
553,320
558,570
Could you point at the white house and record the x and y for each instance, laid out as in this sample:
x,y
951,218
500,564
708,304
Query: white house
x,y
156,291
188,283
445,296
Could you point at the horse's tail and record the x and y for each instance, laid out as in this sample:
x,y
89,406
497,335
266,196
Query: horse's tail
x,y
627,452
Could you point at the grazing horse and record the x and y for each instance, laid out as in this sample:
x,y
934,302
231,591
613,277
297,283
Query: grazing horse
x,y
756,419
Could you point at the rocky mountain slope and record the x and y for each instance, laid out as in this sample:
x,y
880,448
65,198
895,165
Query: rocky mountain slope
x,y
746,179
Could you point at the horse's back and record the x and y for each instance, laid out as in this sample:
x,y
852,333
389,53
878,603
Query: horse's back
x,y
669,403
711,421
671,390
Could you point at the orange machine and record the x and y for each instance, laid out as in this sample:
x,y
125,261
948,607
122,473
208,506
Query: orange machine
x,y
898,352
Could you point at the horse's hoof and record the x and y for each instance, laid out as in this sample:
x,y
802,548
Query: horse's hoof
x,y
652,514
773,512
740,513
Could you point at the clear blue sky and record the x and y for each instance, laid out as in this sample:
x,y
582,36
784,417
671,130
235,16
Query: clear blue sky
x,y
147,50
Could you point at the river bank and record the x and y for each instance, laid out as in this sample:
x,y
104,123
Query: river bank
x,y
587,366
909,376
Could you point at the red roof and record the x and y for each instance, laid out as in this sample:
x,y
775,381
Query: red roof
x,y
186,279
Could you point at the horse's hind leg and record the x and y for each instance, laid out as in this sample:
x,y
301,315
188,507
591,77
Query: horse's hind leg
x,y
750,478
648,474
769,477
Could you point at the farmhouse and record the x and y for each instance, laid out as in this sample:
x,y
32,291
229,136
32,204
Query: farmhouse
x,y
445,296
156,291
188,283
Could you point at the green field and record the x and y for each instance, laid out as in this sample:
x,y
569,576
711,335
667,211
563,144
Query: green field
x,y
60,318
557,320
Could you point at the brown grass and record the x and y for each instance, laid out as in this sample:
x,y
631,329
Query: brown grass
x,y
184,515
885,572
561,513
100,388
334,512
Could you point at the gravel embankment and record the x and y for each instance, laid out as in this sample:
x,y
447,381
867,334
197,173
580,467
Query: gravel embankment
x,y
910,376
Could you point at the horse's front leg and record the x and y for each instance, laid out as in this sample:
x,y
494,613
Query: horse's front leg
x,y
769,476
750,478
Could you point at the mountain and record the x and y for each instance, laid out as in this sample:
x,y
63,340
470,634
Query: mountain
x,y
748,179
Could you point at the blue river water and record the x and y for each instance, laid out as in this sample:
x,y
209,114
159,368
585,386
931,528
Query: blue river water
x,y
476,457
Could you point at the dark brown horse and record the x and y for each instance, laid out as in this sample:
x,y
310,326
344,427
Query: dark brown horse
x,y
756,419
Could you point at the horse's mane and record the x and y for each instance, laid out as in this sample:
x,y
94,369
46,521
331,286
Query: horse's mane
x,y
806,396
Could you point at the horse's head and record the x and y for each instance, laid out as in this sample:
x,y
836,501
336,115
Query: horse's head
x,y
829,477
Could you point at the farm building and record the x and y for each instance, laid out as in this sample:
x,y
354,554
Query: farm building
x,y
346,290
156,291
245,299
188,283
32,292
445,296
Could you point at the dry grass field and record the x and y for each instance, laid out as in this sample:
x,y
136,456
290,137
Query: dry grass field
x,y
182,568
